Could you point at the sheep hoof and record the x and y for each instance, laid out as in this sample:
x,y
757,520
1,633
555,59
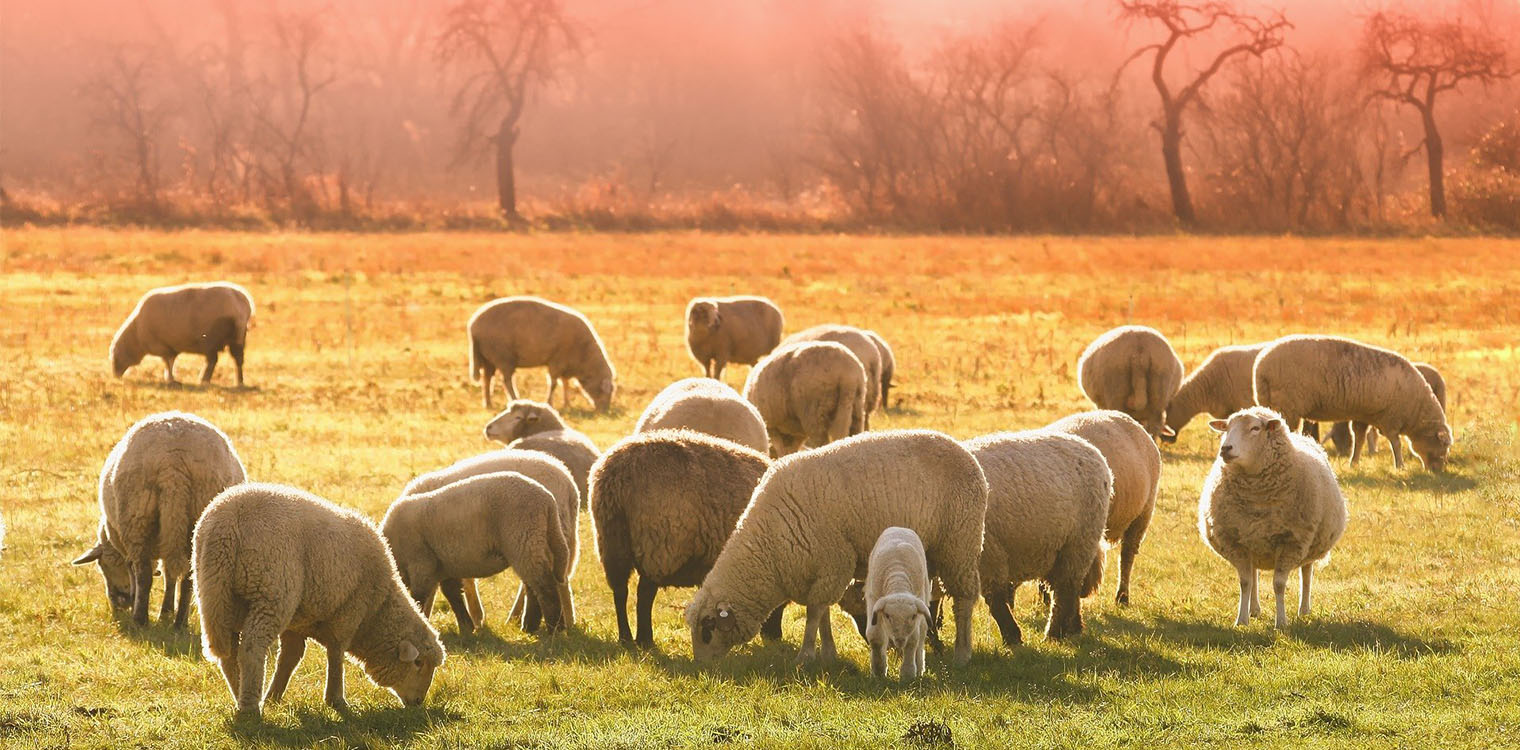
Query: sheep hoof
x,y
1122,599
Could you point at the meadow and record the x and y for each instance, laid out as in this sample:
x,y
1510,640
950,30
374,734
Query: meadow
x,y
358,381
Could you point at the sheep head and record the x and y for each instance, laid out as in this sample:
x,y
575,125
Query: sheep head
x,y
113,568
897,620
1432,442
1247,438
717,626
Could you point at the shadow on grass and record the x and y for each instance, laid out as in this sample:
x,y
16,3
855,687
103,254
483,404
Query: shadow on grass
x,y
567,646
1413,478
1341,636
162,635
360,728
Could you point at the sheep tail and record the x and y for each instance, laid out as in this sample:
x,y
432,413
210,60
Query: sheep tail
x,y
1138,370
477,358
559,554
848,419
1094,577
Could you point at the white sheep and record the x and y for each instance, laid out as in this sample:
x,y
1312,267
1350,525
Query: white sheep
x,y
1132,369
514,332
1219,387
813,392
536,426
1271,502
707,406
153,487
813,521
1340,433
897,595
274,562
197,318
721,330
861,345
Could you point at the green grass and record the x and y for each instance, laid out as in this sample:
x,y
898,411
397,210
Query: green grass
x,y
357,359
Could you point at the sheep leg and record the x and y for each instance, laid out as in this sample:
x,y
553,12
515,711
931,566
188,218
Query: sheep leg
x,y
879,659
472,601
533,616
645,604
509,382
1279,587
717,370
1255,595
771,629
1128,550
964,606
236,350
186,595
333,693
1396,444
211,358
166,610
142,589
1358,440
1065,612
935,620
260,629
453,592
292,648
229,665
1305,575
618,582
1247,593
1000,605
486,373
826,636
169,369
815,616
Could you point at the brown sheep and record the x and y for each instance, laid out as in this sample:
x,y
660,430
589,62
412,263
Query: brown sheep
x,y
196,318
741,330
514,332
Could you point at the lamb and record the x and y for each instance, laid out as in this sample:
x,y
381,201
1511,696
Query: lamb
x,y
196,318
888,364
814,392
276,562
1047,501
897,601
861,346
720,330
1331,379
663,504
707,406
1340,433
514,332
1135,462
536,426
1134,370
1219,387
153,487
478,527
813,521
1271,502
537,466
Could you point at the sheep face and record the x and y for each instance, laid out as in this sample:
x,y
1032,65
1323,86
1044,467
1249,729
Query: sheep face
x,y
702,319
600,390
898,621
518,420
715,629
409,673
1245,444
1432,442
113,568
123,357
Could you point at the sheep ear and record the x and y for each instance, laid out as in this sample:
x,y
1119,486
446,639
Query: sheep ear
x,y
1218,425
923,609
531,418
1276,424
877,612
89,557
407,652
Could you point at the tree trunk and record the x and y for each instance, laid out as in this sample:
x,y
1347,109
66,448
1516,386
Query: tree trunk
x,y
506,179
1171,153
1435,155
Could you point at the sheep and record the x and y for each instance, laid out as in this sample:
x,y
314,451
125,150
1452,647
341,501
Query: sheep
x,y
1270,502
663,503
1135,463
888,364
536,426
277,562
477,527
197,318
1219,387
707,406
1340,433
859,344
153,487
1330,379
813,392
720,330
897,595
1134,370
514,332
811,525
543,469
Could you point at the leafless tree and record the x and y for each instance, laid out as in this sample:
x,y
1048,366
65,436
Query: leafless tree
x,y
506,49
129,106
1253,35
281,106
1414,60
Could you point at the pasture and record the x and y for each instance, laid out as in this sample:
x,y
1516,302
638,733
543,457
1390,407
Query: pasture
x,y
358,381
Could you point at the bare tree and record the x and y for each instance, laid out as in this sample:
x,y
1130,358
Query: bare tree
x,y
1414,60
1184,22
507,49
282,107
128,107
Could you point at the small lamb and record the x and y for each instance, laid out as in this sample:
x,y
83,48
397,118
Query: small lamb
x,y
897,601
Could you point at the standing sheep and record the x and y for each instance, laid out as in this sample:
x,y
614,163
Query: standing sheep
x,y
859,344
720,330
1135,462
536,426
707,406
1219,387
1340,433
153,487
888,364
1331,379
812,524
897,594
1132,369
514,332
1271,502
196,318
275,562
478,527
664,503
537,466
1047,500
813,392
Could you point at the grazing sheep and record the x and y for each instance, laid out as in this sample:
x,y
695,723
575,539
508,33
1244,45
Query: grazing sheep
x,y
888,364
720,330
1271,502
813,392
1047,499
897,601
812,524
1219,387
1331,379
859,344
1135,462
543,469
707,406
478,527
1134,370
153,487
514,332
664,503
276,562
536,426
1340,433
196,318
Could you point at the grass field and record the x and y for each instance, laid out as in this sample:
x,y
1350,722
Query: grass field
x,y
357,362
